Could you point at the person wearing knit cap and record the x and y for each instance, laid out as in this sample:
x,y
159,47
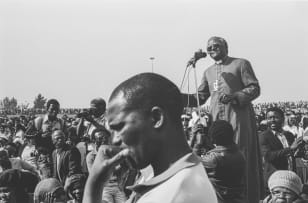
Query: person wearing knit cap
x,y
285,187
49,190
225,164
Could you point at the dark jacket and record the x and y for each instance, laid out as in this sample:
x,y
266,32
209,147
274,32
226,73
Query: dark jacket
x,y
70,163
275,157
225,166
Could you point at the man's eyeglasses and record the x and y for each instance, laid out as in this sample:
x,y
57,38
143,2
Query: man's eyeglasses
x,y
214,47
278,193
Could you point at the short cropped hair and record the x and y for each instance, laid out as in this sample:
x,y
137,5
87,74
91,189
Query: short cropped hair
x,y
221,133
5,164
99,102
145,90
277,110
52,101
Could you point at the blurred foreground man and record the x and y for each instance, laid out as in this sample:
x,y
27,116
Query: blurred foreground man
x,y
232,85
145,112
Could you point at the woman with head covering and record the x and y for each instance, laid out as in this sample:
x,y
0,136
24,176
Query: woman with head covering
x,y
74,186
12,187
285,187
292,125
49,190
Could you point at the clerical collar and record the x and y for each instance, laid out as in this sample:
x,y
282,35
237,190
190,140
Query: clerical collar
x,y
221,61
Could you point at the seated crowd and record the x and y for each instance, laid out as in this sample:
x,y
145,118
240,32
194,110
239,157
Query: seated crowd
x,y
52,159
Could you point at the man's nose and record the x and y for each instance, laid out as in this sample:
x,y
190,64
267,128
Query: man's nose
x,y
272,119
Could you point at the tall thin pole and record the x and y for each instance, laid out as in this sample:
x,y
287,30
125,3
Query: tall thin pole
x,y
152,60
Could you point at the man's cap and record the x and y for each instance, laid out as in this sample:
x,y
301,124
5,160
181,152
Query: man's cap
x,y
286,179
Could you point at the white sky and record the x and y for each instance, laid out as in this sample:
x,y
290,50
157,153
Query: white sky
x,y
77,50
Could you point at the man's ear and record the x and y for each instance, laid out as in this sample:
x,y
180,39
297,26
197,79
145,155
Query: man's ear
x,y
158,116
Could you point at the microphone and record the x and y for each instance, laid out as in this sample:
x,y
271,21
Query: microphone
x,y
191,62
198,55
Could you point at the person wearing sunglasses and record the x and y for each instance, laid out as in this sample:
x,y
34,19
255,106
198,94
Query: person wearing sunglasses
x,y
232,85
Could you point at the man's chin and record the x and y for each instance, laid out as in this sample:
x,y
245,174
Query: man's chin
x,y
281,201
274,127
216,57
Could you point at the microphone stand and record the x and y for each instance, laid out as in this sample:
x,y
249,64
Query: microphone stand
x,y
196,85
189,66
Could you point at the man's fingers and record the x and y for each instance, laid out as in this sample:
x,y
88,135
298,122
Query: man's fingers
x,y
112,155
118,158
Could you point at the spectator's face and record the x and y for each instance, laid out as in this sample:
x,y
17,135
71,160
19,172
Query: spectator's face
x,y
53,111
7,195
78,194
2,129
135,129
274,120
99,138
58,139
216,50
282,195
293,120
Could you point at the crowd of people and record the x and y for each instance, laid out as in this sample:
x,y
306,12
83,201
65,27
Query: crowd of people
x,y
23,157
144,146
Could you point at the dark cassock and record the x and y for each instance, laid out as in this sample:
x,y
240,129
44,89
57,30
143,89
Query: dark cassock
x,y
232,85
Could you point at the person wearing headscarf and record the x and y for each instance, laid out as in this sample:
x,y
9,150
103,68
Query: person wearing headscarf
x,y
285,187
74,186
232,85
292,125
49,190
